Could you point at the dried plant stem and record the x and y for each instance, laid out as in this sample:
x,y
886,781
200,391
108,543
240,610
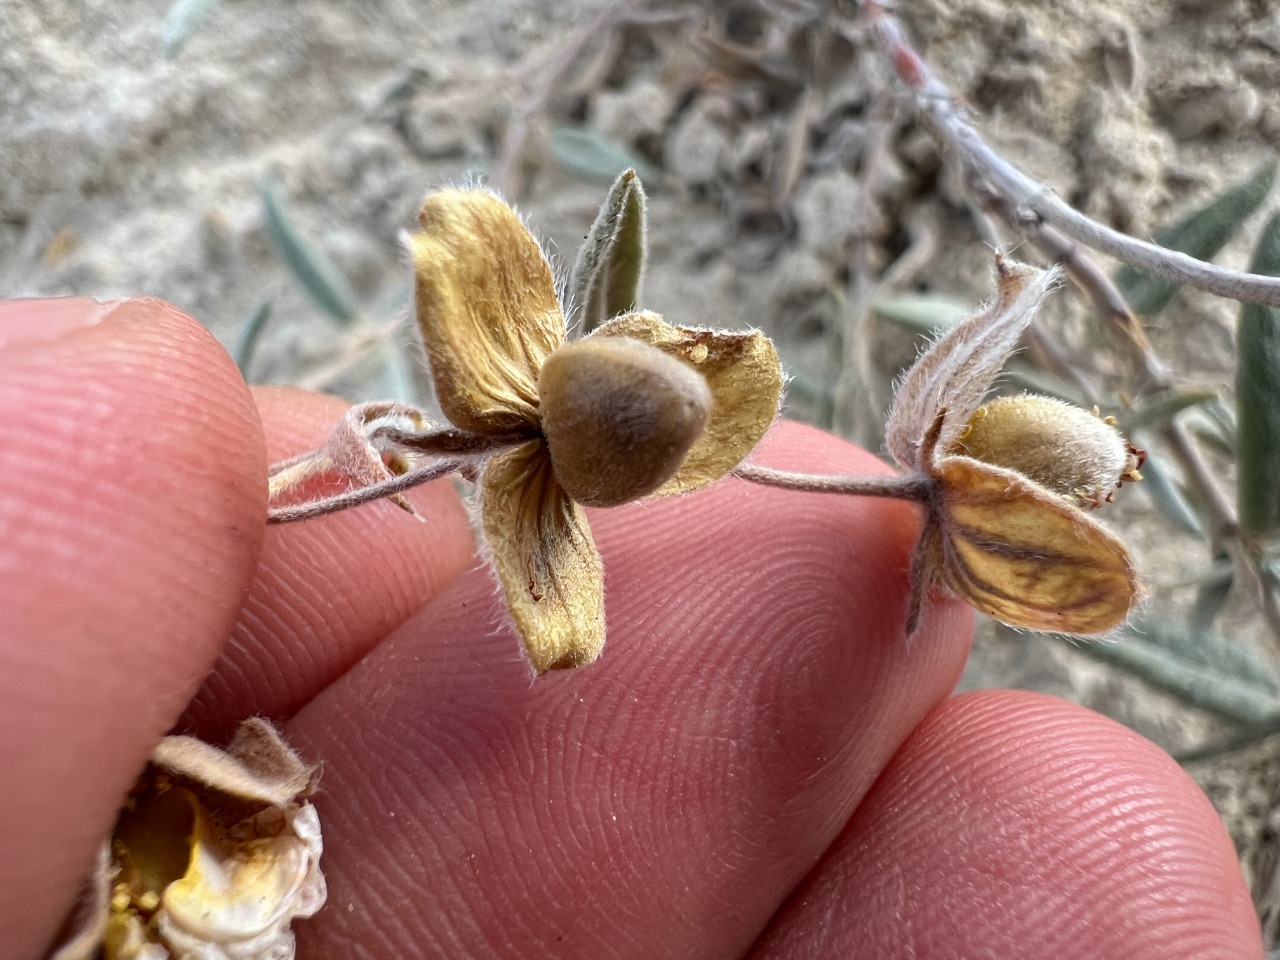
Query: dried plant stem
x,y
374,491
1035,202
856,405
508,176
1226,529
916,488
355,351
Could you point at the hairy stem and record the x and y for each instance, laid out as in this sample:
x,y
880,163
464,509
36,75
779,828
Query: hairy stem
x,y
917,488
374,491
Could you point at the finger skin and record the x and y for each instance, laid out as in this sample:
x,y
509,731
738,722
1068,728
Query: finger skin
x,y
1015,825
663,800
329,589
131,518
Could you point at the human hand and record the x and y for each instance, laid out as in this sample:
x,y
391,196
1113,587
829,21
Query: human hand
x,y
759,765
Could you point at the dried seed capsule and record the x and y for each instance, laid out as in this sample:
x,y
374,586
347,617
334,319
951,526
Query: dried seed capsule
x,y
1062,447
619,417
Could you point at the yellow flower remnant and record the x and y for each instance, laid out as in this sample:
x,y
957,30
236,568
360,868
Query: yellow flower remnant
x,y
214,856
1006,528
638,408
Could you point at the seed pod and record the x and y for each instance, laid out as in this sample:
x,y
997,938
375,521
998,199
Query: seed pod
x,y
619,417
1059,446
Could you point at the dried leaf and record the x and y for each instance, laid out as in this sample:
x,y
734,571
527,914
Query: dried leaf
x,y
957,371
1258,400
610,266
545,558
745,378
487,309
1026,557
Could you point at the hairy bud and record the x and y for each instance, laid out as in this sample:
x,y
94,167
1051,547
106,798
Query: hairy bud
x,y
1061,447
618,416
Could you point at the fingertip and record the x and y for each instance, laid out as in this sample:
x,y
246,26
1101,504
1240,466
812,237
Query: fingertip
x,y
1015,824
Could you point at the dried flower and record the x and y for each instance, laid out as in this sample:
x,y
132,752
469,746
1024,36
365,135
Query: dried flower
x,y
1005,486
214,856
1006,530
638,408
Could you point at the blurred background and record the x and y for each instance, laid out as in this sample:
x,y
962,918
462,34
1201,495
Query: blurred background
x,y
253,162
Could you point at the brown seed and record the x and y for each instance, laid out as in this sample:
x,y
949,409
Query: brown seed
x,y
619,417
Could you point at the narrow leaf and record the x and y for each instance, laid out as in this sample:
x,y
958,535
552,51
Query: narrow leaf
x,y
1258,400
182,20
1212,595
250,334
1201,234
1204,669
921,314
592,156
309,266
1167,497
610,266
1160,408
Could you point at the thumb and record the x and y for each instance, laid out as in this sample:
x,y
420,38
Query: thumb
x,y
131,514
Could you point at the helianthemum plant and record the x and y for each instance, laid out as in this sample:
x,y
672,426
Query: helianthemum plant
x,y
544,425
1006,486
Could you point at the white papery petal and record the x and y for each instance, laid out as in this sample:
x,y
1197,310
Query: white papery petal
x,y
238,899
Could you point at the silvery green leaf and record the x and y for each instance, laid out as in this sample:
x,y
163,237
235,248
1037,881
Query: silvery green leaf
x,y
1212,595
592,156
312,269
921,314
1160,408
610,266
1258,401
1166,496
1201,234
1203,669
250,334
